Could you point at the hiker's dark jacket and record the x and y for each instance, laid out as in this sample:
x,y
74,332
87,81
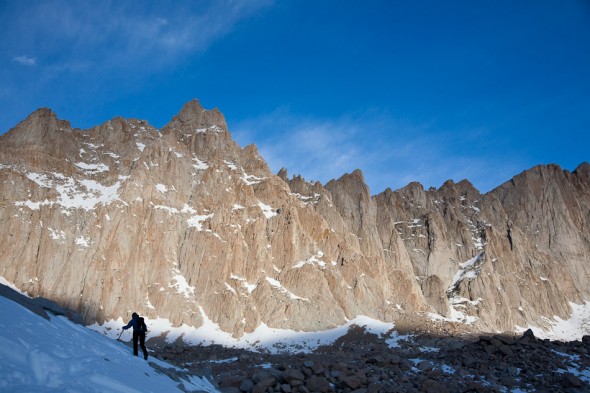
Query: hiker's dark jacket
x,y
135,323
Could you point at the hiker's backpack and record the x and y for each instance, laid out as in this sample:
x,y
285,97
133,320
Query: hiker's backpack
x,y
142,325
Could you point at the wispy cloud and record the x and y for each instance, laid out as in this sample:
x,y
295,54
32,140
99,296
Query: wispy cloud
x,y
316,149
25,60
85,55
120,35
390,153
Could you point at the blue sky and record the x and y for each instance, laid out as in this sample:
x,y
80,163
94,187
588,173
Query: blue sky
x,y
403,90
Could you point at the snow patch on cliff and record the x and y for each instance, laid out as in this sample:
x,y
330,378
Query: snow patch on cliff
x,y
181,285
277,285
468,270
250,180
249,287
199,165
268,211
92,168
313,260
73,194
197,220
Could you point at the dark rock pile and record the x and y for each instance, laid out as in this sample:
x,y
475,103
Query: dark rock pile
x,y
361,362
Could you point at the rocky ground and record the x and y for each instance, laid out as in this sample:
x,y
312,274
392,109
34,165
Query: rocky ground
x,y
363,362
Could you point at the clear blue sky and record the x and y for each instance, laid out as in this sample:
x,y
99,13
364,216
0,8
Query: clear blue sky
x,y
404,90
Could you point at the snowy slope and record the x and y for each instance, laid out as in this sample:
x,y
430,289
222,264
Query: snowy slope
x,y
57,355
264,338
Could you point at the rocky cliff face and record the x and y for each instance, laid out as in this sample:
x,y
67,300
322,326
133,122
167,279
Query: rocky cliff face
x,y
182,223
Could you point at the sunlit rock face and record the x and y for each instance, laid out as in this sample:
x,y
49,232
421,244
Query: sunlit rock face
x,y
182,222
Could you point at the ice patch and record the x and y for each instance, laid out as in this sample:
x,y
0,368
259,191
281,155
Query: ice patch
x,y
113,155
415,223
230,165
456,316
199,165
196,220
447,369
82,241
230,288
93,168
276,284
215,129
249,287
574,328
574,366
305,200
268,211
56,235
41,180
73,194
250,180
222,361
170,210
467,271
313,260
181,285
148,303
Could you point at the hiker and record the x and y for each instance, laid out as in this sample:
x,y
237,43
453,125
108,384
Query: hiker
x,y
139,329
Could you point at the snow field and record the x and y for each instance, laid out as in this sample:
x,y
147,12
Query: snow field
x,y
264,338
59,356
